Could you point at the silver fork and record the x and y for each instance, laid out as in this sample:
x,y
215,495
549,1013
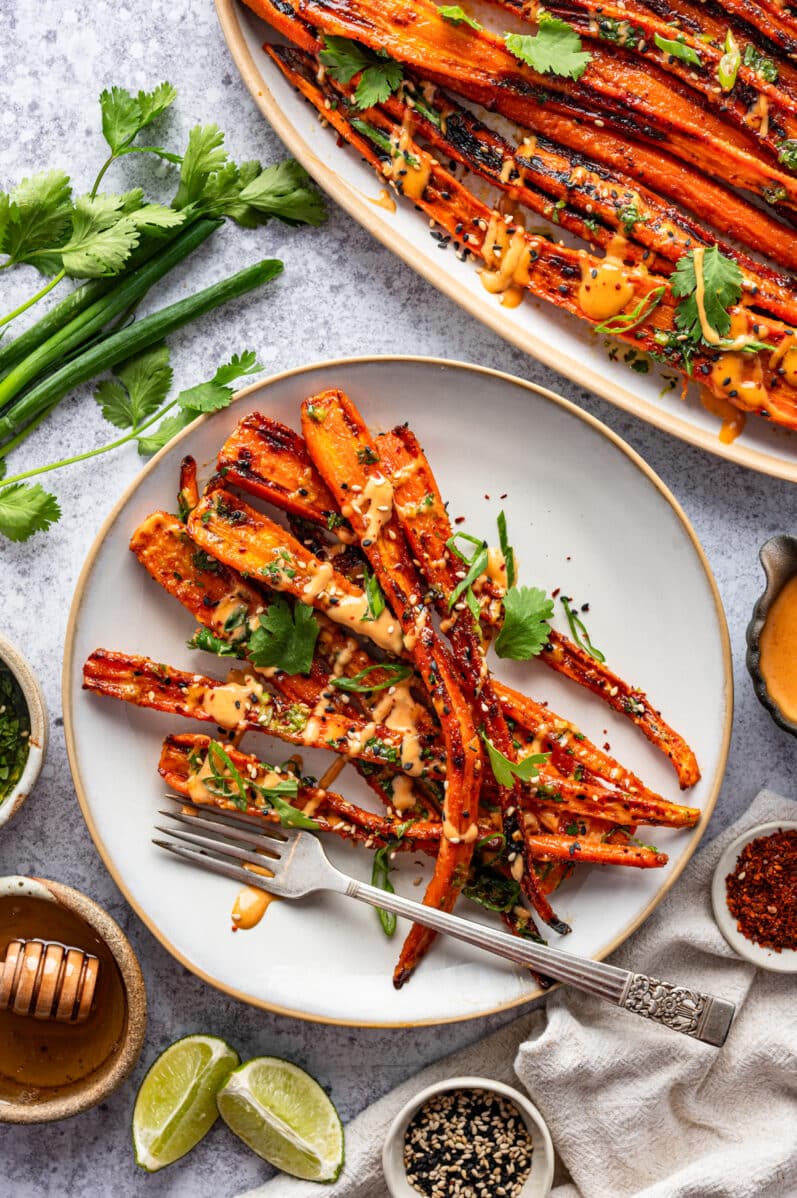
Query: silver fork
x,y
222,841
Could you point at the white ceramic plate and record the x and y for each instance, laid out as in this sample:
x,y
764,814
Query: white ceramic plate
x,y
764,958
557,339
585,513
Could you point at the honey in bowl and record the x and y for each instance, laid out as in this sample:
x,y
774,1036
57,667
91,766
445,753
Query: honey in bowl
x,y
42,1059
778,651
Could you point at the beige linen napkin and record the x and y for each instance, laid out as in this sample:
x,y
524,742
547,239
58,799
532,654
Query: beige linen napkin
x,y
634,1109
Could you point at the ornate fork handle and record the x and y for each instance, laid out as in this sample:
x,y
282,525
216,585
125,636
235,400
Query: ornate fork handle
x,y
702,1016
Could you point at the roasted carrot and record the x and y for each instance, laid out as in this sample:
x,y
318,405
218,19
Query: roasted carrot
x,y
263,439
549,847
753,103
424,521
755,381
243,702
344,454
613,91
577,193
330,810
429,529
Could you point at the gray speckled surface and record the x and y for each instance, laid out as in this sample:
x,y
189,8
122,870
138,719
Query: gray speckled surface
x,y
333,300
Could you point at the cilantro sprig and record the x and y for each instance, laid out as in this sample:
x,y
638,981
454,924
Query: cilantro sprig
x,y
525,630
134,398
722,288
285,638
457,16
122,244
555,49
379,75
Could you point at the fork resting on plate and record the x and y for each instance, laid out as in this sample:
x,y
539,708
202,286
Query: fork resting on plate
x,y
223,841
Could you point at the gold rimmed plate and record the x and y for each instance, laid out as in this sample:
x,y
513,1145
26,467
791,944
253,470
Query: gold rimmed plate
x,y
585,513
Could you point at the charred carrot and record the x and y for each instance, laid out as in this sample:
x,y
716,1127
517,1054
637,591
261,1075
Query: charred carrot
x,y
345,455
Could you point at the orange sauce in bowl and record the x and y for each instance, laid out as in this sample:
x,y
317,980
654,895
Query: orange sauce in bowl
x,y
778,647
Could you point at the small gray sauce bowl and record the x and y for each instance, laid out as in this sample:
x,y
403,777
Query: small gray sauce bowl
x,y
779,559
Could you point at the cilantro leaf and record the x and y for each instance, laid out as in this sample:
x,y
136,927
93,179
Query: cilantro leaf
x,y
124,115
204,155
457,15
147,377
105,229
238,366
554,50
285,639
205,397
140,387
344,59
505,771
25,509
168,428
153,104
215,394
121,117
378,83
35,214
722,283
283,190
525,630
678,49
114,403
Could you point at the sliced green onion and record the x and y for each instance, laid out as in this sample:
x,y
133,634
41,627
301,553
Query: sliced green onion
x,y
578,631
120,346
358,684
624,322
729,63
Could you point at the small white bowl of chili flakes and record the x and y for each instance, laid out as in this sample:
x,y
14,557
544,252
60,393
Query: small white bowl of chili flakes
x,y
754,895
469,1136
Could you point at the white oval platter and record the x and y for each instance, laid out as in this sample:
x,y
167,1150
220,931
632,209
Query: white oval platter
x,y
555,338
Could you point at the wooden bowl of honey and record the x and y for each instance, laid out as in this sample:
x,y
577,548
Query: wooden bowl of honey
x,y
73,1007
772,633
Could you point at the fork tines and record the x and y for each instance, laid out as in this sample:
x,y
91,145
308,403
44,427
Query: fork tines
x,y
220,840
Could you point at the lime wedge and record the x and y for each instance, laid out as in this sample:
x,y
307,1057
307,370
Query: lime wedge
x,y
284,1116
176,1102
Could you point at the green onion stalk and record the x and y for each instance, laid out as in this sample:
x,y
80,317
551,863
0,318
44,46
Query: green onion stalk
x,y
34,405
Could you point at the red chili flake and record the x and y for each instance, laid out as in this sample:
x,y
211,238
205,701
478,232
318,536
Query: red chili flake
x,y
762,891
459,520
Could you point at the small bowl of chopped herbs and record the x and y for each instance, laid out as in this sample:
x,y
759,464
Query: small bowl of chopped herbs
x,y
469,1136
23,730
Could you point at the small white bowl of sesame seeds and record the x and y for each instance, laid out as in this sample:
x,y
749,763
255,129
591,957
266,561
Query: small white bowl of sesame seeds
x,y
469,1136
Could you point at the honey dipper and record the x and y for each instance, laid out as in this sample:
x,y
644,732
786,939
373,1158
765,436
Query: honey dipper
x,y
48,980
